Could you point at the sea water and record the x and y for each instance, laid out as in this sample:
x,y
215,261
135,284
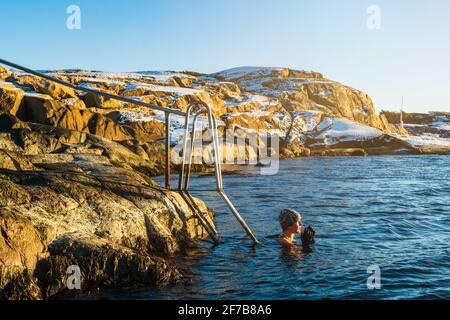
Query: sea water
x,y
390,214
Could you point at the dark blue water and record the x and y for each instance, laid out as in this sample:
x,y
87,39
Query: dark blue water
x,y
387,211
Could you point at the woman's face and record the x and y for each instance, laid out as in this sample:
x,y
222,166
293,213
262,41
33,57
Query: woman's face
x,y
296,227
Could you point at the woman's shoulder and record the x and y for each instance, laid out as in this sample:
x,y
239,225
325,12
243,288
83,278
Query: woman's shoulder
x,y
281,240
285,242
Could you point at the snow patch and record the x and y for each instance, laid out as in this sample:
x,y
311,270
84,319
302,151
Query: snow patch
x,y
339,130
424,140
441,126
169,89
253,98
164,76
306,120
37,95
239,72
254,113
176,122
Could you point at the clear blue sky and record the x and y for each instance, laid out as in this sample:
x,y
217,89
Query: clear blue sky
x,y
409,55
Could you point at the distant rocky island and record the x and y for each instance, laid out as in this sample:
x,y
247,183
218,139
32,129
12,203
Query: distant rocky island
x,y
75,168
312,115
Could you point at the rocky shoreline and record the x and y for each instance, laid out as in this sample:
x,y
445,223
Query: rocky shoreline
x,y
312,115
76,170
63,202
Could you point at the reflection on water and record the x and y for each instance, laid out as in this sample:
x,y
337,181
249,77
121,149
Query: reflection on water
x,y
386,211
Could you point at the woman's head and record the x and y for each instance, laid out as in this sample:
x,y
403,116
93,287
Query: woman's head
x,y
290,221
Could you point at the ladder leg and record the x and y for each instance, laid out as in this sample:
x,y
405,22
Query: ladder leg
x,y
191,157
239,218
204,223
218,174
213,124
185,141
217,159
167,151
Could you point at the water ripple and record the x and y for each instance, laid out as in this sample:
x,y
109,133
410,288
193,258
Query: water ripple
x,y
387,211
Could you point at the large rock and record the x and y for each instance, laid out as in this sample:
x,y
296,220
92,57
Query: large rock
x,y
9,122
301,90
83,203
95,101
11,160
251,121
74,103
105,127
382,145
21,247
45,110
40,108
110,223
4,73
54,90
288,102
10,98
229,90
146,131
38,139
217,105
293,149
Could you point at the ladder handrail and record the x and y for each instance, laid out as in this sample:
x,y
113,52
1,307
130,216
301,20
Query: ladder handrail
x,y
217,162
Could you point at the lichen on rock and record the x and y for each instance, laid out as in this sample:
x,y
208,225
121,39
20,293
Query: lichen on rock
x,y
62,205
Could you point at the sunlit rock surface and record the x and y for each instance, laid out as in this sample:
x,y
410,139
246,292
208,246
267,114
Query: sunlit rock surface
x,y
75,168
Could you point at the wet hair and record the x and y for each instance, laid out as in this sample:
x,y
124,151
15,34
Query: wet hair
x,y
288,217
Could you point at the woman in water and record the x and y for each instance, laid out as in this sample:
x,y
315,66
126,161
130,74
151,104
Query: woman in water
x,y
291,224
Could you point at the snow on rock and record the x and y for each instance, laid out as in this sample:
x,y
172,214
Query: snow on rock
x,y
291,103
164,76
169,89
334,130
127,116
6,84
255,79
254,113
441,126
424,140
240,72
176,122
264,101
33,94
298,124
307,120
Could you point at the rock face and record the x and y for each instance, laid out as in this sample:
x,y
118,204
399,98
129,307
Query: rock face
x,y
300,90
54,90
428,132
68,198
434,123
45,110
4,73
75,169
10,98
290,103
112,224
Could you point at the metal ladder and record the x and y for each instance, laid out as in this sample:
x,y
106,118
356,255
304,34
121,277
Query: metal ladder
x,y
184,174
183,185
